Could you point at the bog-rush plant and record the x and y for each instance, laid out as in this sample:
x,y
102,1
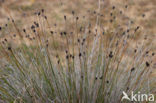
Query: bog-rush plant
x,y
96,65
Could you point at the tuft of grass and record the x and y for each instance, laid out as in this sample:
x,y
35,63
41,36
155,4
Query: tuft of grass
x,y
98,63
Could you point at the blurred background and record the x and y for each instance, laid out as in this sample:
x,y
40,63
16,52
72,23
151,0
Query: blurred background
x,y
141,12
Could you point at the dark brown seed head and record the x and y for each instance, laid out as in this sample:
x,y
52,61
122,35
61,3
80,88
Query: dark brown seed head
x,y
42,10
89,31
78,40
72,57
84,39
111,20
114,17
113,7
110,54
39,13
81,76
147,52
24,30
66,51
126,6
80,54
47,45
9,48
32,27
103,33
14,35
143,15
0,28
34,30
64,33
61,33
123,33
77,18
94,12
132,69
5,40
57,56
147,64
45,17
120,12
71,33
67,57
51,32
65,17
73,12
58,61
137,28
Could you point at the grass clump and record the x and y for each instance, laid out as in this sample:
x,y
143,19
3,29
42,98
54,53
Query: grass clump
x,y
94,64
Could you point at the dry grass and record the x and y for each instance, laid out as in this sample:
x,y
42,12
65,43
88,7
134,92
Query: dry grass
x,y
89,55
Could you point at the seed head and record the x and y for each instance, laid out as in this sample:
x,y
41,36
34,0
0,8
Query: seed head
x,y
9,48
110,54
39,13
80,54
103,33
72,57
77,18
24,30
32,27
58,61
5,40
13,20
111,14
61,33
65,17
143,15
126,6
111,20
66,51
42,10
14,35
34,30
51,32
73,12
64,33
67,57
147,64
132,69
78,40
113,7
120,12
